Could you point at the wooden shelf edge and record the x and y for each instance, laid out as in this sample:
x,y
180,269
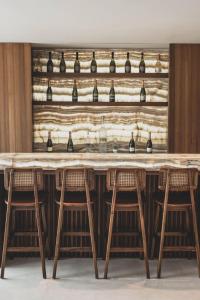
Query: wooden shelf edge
x,y
99,75
64,103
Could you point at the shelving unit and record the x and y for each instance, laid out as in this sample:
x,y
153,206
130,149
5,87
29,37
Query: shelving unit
x,y
65,103
57,75
121,116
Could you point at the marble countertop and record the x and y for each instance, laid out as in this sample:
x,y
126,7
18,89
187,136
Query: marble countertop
x,y
98,161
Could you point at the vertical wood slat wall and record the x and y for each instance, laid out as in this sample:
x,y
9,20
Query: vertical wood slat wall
x,y
184,98
15,98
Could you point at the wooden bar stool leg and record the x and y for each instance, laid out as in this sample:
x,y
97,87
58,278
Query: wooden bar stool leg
x,y
7,224
91,227
112,212
44,222
196,234
162,235
140,234
39,229
155,231
188,228
5,241
143,230
59,228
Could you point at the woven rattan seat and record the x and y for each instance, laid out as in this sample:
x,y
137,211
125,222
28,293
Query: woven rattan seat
x,y
125,187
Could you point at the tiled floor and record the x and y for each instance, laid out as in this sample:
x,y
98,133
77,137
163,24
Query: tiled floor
x,y
76,281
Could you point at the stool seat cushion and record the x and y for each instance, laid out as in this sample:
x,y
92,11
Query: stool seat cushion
x,y
175,198
25,199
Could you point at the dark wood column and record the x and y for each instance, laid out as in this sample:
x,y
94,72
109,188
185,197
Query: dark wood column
x,y
184,98
15,98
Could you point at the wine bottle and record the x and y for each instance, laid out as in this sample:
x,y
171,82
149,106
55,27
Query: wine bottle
x,y
112,93
143,93
70,146
149,146
77,66
142,64
128,64
75,92
112,64
93,66
132,144
50,64
49,92
103,136
95,92
49,143
158,67
62,64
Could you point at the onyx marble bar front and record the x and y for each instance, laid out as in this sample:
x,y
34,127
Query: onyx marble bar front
x,y
98,161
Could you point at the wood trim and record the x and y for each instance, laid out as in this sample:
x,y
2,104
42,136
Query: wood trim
x,y
15,98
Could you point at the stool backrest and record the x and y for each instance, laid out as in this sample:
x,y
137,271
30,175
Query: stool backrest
x,y
180,179
23,179
75,179
126,179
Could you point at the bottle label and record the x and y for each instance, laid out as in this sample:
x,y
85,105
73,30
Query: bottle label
x,y
112,69
127,69
93,69
142,98
158,70
49,149
142,69
131,149
149,150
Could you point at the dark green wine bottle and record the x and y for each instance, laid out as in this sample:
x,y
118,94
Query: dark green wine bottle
x,y
112,64
149,146
70,146
75,92
93,67
143,93
62,64
95,92
49,92
132,144
142,64
112,93
50,64
128,64
77,66
49,143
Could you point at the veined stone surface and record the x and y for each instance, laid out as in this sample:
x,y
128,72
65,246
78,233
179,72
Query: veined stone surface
x,y
98,160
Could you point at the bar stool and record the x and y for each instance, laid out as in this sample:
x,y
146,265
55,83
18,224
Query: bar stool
x,y
176,193
126,186
75,187
25,187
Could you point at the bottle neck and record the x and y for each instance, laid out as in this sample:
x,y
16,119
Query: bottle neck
x,y
49,135
112,84
112,55
127,55
149,135
75,83
63,55
93,55
95,84
49,55
142,56
70,135
76,55
143,83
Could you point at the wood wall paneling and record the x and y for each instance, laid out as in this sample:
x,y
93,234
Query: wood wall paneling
x,y
15,98
184,102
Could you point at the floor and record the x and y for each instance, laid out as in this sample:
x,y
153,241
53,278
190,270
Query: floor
x,y
76,280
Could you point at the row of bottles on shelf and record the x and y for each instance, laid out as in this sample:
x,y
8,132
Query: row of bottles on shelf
x,y
95,93
93,65
102,144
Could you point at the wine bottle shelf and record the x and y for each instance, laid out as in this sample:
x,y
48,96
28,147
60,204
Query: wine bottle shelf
x,y
64,103
57,75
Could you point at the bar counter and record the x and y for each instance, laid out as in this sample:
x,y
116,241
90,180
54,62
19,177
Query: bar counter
x,y
98,161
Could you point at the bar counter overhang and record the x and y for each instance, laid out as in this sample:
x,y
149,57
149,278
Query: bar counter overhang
x,y
98,161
